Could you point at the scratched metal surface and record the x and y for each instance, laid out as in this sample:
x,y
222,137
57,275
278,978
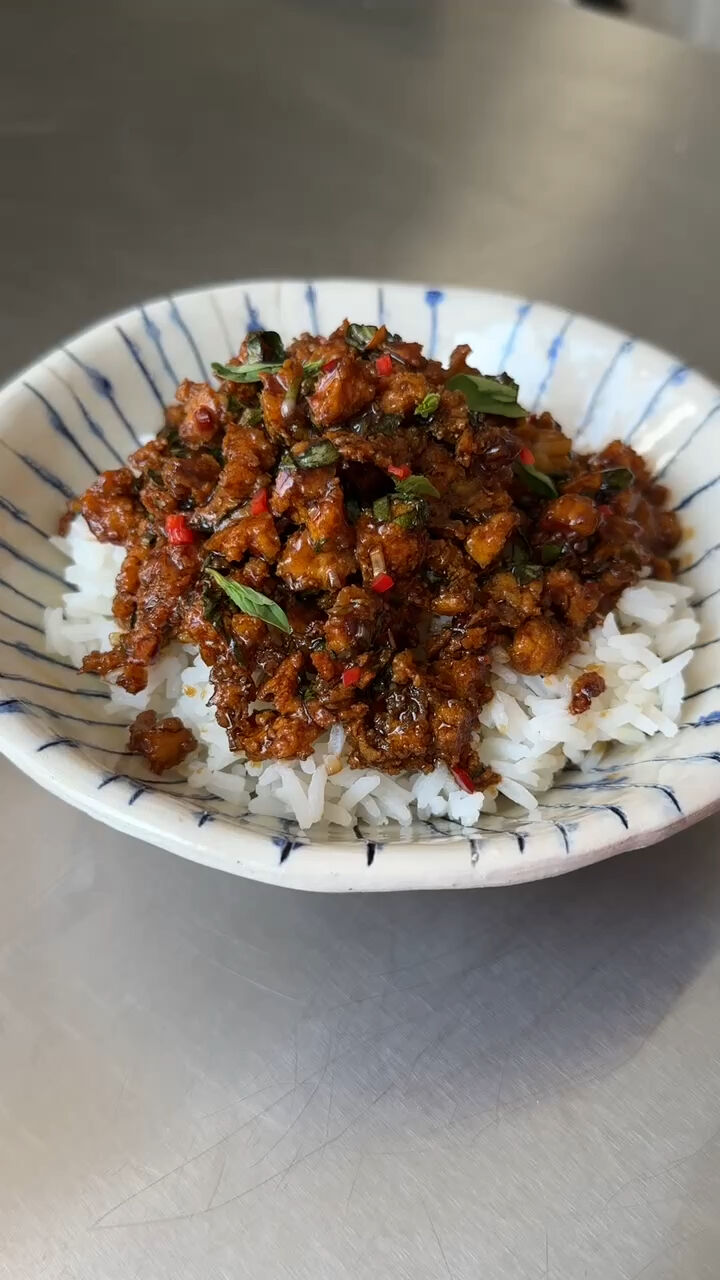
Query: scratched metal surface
x,y
203,1078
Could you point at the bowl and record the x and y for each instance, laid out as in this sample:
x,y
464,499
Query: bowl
x,y
82,408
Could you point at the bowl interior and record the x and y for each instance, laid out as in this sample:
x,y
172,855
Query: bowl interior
x,y
82,409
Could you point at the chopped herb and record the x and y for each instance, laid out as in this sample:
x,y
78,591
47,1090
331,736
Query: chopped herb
x,y
416,487
488,395
318,455
246,372
212,602
388,424
381,509
428,405
617,478
312,367
287,463
252,602
534,480
359,335
155,478
265,344
520,566
551,553
352,510
309,691
413,516
252,417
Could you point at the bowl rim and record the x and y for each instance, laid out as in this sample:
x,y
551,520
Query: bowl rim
x,y
328,865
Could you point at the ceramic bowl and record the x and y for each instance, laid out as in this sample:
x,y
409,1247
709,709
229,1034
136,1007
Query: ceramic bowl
x,y
82,408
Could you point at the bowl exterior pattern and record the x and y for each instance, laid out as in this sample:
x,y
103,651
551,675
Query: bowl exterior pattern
x,y
83,408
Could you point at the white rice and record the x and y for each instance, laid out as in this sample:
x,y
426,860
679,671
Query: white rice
x,y
527,731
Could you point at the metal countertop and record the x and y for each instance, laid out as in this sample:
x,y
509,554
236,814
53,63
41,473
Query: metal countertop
x,y
206,1078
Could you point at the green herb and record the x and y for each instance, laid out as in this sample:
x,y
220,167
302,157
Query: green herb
x,y
617,478
413,517
359,335
265,344
287,463
251,417
245,372
388,424
381,509
416,487
551,553
252,602
318,455
312,367
352,510
211,603
534,480
155,478
520,566
428,405
215,451
488,395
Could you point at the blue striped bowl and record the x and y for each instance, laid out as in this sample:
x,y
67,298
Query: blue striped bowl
x,y
82,409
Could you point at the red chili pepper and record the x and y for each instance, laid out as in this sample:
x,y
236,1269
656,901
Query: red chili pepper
x,y
330,365
259,502
178,530
205,419
383,582
527,456
352,675
605,510
383,365
402,473
462,777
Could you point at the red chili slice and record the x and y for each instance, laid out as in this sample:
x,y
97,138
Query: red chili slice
x,y
259,502
352,675
402,473
383,365
330,365
383,582
527,456
178,530
462,777
205,419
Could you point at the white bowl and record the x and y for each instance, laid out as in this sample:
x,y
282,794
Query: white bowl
x,y
81,409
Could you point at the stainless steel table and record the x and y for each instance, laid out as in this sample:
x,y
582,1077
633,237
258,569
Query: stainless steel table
x,y
203,1078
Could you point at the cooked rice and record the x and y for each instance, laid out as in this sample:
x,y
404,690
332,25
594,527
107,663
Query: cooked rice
x,y
527,731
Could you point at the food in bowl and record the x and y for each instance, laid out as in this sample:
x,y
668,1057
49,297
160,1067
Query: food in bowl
x,y
351,583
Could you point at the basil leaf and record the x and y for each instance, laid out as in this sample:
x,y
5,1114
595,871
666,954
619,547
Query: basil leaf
x,y
358,335
428,405
381,509
534,480
416,487
520,568
488,395
264,344
318,455
245,372
251,417
617,478
413,517
388,424
252,602
551,553
525,573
